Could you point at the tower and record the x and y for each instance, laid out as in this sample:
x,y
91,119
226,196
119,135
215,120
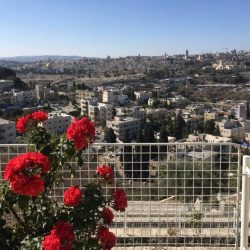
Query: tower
x,y
187,54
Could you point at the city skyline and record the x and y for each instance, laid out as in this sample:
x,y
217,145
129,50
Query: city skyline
x,y
99,29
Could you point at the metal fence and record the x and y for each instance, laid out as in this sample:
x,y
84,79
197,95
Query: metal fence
x,y
181,195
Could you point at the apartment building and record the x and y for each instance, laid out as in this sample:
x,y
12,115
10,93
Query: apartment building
x,y
241,111
6,85
137,112
232,129
57,122
84,94
157,114
69,94
7,131
142,96
100,112
109,96
121,125
84,104
211,116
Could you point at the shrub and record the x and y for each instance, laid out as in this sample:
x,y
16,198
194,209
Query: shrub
x,y
81,220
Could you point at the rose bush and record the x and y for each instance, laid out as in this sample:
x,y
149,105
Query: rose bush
x,y
79,220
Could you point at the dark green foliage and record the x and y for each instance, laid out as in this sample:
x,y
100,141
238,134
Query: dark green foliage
x,y
179,127
209,127
163,139
217,130
130,93
19,84
170,126
158,73
156,103
6,73
163,134
109,135
136,161
76,112
9,74
189,180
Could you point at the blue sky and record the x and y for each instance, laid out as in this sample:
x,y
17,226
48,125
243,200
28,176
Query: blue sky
x,y
122,27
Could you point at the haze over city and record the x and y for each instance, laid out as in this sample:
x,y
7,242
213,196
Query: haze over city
x,y
122,28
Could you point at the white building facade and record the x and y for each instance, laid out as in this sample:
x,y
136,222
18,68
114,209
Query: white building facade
x,y
7,131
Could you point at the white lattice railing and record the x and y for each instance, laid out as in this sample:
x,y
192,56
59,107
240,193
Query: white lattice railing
x,y
181,195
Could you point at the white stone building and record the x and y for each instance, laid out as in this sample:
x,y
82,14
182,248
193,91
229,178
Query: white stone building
x,y
100,112
109,96
120,125
84,94
7,132
211,116
57,122
232,129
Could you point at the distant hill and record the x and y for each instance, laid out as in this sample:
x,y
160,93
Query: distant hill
x,y
41,58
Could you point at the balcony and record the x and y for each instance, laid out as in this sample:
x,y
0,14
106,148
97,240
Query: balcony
x,y
181,195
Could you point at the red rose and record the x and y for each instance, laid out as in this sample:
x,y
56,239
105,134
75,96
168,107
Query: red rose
x,y
38,160
64,230
72,196
28,161
20,172
39,116
60,238
27,185
120,200
52,241
105,172
106,238
81,132
107,215
23,122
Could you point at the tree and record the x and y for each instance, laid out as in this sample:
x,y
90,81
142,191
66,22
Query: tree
x,y
81,86
76,112
126,157
163,139
109,135
156,103
179,127
114,113
163,134
170,126
6,73
19,84
188,181
209,127
247,110
158,73
130,93
148,133
217,130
